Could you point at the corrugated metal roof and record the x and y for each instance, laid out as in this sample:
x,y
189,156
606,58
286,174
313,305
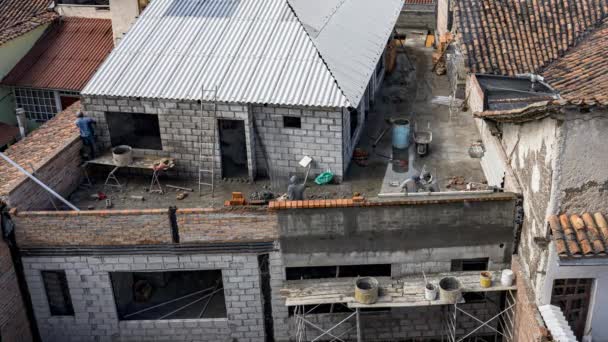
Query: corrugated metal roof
x,y
254,51
66,56
350,35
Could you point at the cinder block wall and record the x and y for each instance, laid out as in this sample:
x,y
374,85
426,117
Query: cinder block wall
x,y
319,137
95,318
14,324
184,127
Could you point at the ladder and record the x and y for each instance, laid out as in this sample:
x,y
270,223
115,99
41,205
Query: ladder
x,y
201,170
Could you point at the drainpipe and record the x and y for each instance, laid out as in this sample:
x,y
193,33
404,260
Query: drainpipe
x,y
8,234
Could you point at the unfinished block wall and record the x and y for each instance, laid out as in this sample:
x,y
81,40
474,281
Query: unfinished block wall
x,y
14,324
320,137
185,129
95,317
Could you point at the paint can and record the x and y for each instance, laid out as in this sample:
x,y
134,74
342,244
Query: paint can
x,y
430,292
485,279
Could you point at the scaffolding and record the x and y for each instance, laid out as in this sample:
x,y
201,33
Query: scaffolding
x,y
307,295
201,166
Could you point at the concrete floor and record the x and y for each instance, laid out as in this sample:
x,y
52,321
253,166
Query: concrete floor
x,y
406,93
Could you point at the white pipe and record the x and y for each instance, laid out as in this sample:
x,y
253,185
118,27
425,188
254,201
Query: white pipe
x,y
445,193
22,170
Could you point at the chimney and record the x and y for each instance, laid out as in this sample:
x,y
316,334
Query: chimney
x,y
124,13
21,121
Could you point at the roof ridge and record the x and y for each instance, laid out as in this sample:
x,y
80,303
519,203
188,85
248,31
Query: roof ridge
x,y
293,11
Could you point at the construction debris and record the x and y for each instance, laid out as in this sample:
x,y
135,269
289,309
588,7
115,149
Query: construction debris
x,y
139,198
179,188
439,62
181,196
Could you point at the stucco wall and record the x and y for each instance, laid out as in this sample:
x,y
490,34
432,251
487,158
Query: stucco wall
x,y
124,13
84,11
11,53
442,17
584,167
531,149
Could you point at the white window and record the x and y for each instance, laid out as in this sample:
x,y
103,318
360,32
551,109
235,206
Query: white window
x,y
39,105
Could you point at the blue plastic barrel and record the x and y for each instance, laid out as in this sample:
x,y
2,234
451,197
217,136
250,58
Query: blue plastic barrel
x,y
401,134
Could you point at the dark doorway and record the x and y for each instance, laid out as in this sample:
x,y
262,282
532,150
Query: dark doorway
x,y
573,297
67,101
233,148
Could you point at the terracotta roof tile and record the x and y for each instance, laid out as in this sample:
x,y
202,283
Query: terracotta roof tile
x,y
511,37
18,17
39,147
583,71
578,236
66,57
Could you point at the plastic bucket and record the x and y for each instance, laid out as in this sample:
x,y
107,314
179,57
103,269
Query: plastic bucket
x,y
366,290
401,134
449,290
430,292
506,278
122,155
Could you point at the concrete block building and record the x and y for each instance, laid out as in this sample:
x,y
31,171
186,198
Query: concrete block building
x,y
272,81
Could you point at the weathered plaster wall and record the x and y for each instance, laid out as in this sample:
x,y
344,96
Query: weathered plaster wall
x,y
84,11
442,16
124,13
531,149
584,163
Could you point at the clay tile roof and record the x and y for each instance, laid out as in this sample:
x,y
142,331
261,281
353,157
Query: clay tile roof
x,y
509,37
38,148
18,17
583,71
580,236
66,56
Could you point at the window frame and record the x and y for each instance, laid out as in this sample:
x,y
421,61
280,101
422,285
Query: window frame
x,y
297,125
65,289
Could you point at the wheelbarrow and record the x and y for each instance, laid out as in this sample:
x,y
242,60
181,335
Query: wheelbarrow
x,y
423,140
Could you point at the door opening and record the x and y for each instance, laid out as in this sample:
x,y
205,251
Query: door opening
x,y
233,149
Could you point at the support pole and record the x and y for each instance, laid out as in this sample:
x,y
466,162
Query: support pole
x,y
358,325
37,181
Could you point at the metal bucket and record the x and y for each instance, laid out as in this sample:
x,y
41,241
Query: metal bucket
x,y
401,134
366,290
450,290
122,155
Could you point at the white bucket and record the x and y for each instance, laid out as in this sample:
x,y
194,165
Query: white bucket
x,y
430,292
506,278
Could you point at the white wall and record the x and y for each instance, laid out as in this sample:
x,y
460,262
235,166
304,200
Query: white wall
x,y
84,11
598,310
124,14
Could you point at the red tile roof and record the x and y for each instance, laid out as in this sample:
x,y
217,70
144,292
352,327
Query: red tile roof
x,y
39,147
511,37
419,2
583,71
18,17
580,236
66,57
8,134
